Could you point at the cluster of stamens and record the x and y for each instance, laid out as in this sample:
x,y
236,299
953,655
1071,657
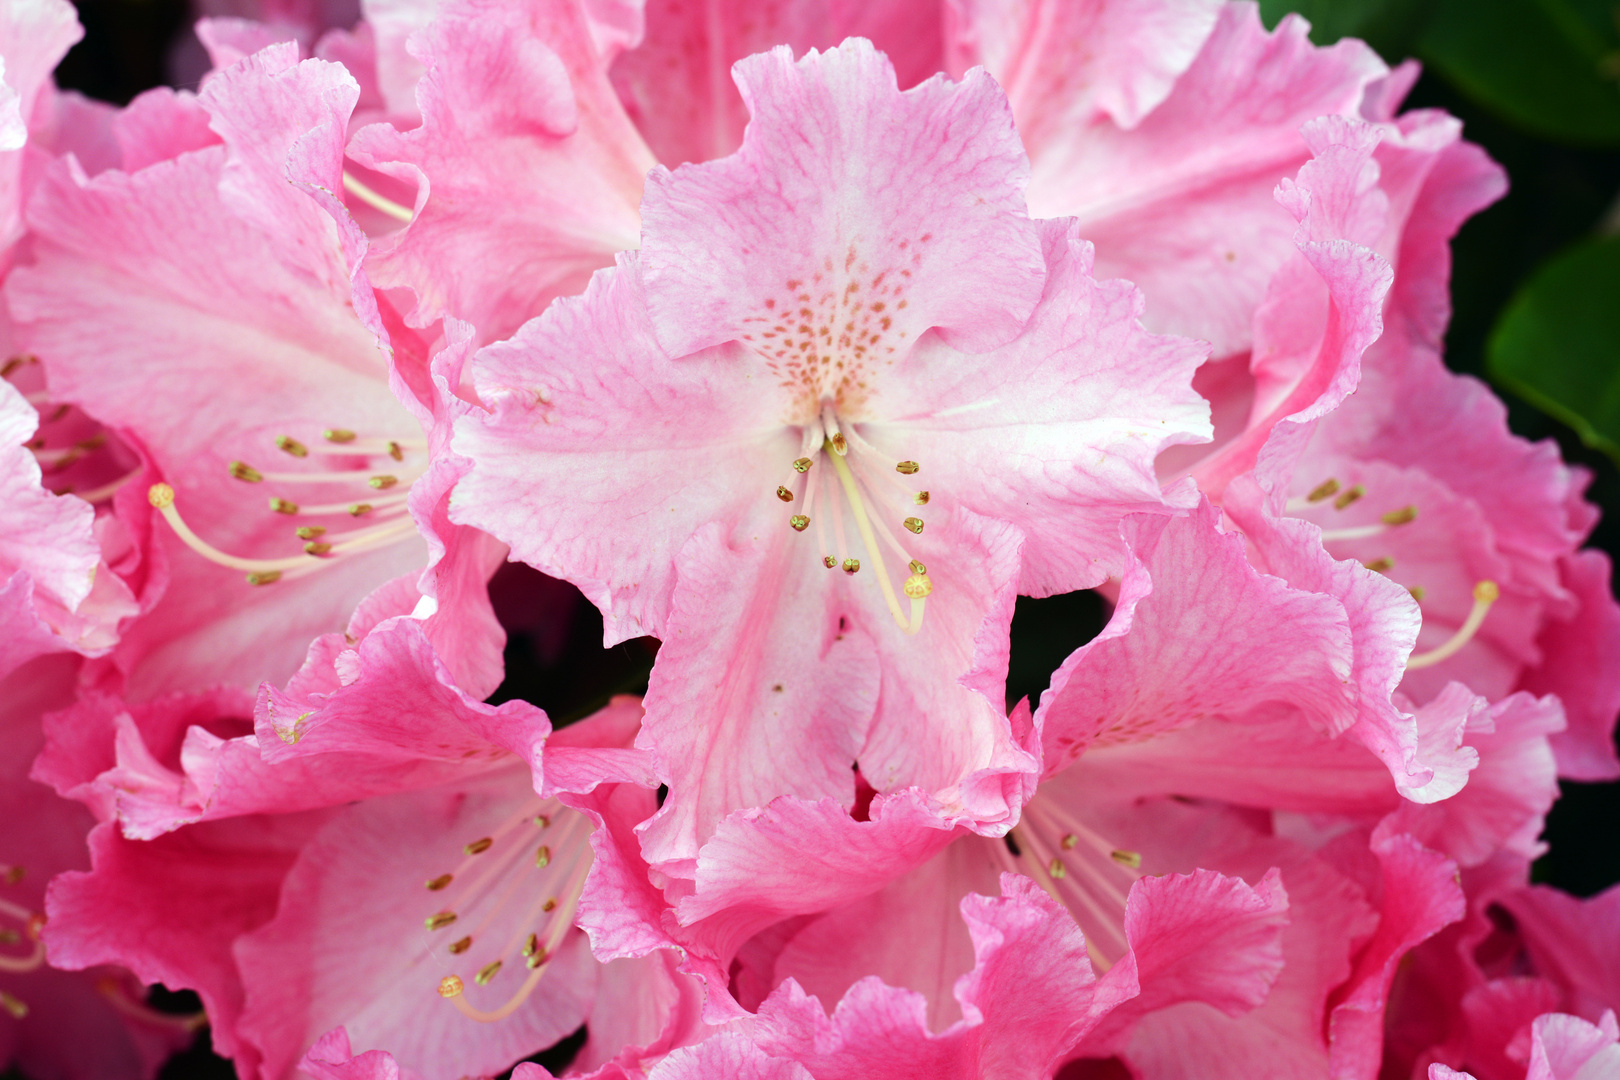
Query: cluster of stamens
x,y
859,484
56,460
528,869
1485,592
18,927
1079,869
388,513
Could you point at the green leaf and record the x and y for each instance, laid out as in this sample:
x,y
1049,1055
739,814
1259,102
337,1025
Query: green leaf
x,y
1558,343
1549,67
1390,26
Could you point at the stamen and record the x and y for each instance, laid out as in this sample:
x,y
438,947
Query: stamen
x,y
118,998
108,490
1404,516
460,946
1417,592
479,846
13,874
440,882
921,498
852,566
784,494
799,522
1486,593
542,858
292,446
264,577
487,972
282,506
15,1006
243,471
161,496
1349,497
829,562
542,820
338,435
1381,565
835,437
382,482
450,986
909,468
1395,518
440,920
375,200
1132,859
310,532
33,923
1323,490
847,479
914,524
802,465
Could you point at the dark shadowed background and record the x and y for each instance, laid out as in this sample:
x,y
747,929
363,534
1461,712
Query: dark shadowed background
x,y
1536,288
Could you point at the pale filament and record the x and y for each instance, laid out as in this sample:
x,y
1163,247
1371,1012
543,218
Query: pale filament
x,y
378,505
864,524
114,992
32,923
375,200
107,491
562,921
1486,593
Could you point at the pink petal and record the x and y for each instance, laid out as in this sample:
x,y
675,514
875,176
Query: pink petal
x,y
1566,1047
1577,666
528,172
330,1058
1574,942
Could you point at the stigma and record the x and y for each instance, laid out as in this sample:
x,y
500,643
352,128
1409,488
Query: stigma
x,y
375,473
858,482
503,911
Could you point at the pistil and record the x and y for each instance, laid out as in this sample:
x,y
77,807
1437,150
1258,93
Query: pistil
x,y
1486,593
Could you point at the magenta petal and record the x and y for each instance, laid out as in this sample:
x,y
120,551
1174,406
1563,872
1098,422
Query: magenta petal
x,y
1578,665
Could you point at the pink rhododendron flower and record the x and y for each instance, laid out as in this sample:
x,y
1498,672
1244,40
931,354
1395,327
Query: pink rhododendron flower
x,y
1563,1047
58,1025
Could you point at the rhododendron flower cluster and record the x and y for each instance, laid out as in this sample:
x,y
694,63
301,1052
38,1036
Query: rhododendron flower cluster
x,y
804,338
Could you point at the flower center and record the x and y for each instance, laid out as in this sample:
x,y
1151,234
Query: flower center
x,y
857,477
380,491
509,903
1079,869
1485,592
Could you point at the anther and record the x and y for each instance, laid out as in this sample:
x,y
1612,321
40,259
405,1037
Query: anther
x,y
14,874
918,587
310,532
317,548
1381,565
908,468
461,945
8,936
282,506
828,561
15,1006
1417,592
479,846
802,465
918,568
540,957
799,522
395,452
542,820
1349,496
338,435
450,986
439,921
531,946
1486,593
1323,490
784,494
1069,841
383,482
542,858
243,471
359,509
921,498
550,904
264,577
1404,516
852,566
435,884
487,972
1132,859
914,524
1057,870
292,446
840,444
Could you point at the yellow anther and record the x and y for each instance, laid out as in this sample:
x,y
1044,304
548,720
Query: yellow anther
x,y
396,452
282,506
310,532
549,905
479,846
1404,516
852,566
1349,496
359,509
264,577
487,972
243,471
383,482
338,435
918,568
15,1006
1132,859
292,446
802,465
908,468
450,986
799,523
8,936
1323,490
531,946
840,444
537,959
542,820
1069,842
161,496
921,498
542,858
784,494
914,524
1381,565
461,945
439,921
317,548
1057,870
918,587
828,561
435,884
1417,592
